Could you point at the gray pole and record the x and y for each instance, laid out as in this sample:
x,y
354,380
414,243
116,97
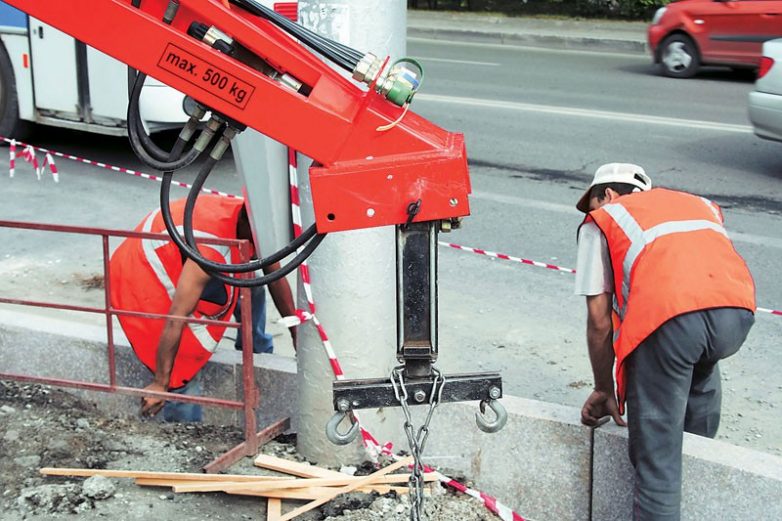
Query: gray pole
x,y
353,273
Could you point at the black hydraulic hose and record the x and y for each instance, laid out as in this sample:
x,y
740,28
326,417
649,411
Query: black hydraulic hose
x,y
342,55
150,147
208,265
137,137
165,209
142,144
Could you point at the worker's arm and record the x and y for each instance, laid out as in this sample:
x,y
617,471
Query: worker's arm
x,y
282,297
601,401
191,284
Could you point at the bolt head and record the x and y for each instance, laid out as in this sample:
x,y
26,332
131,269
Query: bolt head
x,y
494,392
419,396
343,405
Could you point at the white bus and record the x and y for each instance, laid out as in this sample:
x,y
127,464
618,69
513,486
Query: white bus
x,y
48,78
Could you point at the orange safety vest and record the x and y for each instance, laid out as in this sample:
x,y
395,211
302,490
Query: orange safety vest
x,y
671,255
143,278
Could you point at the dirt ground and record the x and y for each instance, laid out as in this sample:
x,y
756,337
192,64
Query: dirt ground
x,y
48,427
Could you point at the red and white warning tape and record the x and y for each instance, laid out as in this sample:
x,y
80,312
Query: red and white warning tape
x,y
50,162
288,321
28,154
372,446
503,512
503,256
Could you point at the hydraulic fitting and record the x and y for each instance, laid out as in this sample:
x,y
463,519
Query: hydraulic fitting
x,y
367,68
398,86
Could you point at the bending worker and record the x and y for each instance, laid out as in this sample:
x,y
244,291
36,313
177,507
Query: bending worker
x,y
153,276
682,298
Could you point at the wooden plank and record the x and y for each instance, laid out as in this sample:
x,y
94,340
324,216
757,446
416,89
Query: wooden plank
x,y
311,493
273,509
360,482
179,476
342,481
294,468
307,493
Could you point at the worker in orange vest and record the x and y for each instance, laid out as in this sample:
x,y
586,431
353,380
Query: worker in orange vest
x,y
153,276
667,297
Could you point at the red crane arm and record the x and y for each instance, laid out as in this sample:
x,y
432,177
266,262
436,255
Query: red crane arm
x,y
364,177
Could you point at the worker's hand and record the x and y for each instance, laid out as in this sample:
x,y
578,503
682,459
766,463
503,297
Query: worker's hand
x,y
151,406
598,405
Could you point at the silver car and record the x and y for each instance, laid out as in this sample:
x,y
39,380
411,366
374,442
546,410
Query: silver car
x,y
765,102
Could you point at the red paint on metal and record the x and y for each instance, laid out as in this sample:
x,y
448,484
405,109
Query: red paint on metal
x,y
250,399
357,167
289,10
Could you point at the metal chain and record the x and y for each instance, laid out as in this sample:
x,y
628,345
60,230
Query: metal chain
x,y
417,440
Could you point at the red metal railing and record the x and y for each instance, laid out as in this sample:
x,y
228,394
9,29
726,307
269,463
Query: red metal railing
x,y
250,395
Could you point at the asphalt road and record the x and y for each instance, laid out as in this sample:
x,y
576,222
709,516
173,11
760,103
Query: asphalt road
x,y
537,123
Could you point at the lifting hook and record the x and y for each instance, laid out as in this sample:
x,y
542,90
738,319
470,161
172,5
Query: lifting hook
x,y
334,435
501,416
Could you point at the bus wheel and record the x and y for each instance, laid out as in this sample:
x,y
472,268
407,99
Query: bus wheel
x,y
10,124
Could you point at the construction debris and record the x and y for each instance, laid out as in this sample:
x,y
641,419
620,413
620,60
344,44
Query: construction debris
x,y
43,430
314,484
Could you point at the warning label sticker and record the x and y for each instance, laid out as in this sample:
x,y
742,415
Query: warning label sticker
x,y
203,74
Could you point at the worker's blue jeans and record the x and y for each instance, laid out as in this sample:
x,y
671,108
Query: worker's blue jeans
x,y
185,412
673,385
262,341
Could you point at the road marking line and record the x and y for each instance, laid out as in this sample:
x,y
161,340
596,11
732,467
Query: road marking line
x,y
749,238
465,62
532,48
587,113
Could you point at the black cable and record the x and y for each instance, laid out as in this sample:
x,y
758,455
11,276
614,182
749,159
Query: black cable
x,y
159,160
143,145
340,54
165,209
205,263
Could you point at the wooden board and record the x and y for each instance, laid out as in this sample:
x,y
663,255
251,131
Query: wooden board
x,y
360,482
304,470
179,476
290,493
273,509
311,493
342,481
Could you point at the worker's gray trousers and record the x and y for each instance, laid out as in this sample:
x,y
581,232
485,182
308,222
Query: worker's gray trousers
x,y
673,385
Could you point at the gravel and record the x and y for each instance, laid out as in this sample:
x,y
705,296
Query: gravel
x,y
48,427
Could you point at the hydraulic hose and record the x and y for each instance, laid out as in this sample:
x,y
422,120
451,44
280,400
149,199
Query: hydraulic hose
x,y
142,144
208,265
165,209
188,246
146,149
340,54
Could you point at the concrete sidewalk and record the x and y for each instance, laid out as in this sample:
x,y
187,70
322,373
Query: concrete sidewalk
x,y
596,35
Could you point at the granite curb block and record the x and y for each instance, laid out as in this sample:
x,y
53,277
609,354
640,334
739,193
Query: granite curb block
x,y
551,41
544,464
719,480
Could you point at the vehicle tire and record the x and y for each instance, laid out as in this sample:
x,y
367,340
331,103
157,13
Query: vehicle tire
x,y
679,56
10,124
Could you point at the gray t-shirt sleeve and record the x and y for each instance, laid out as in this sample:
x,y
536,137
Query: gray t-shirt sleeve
x,y
594,274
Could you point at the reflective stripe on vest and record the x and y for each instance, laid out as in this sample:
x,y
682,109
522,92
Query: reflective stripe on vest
x,y
639,239
150,247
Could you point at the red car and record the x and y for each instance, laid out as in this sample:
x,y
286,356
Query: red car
x,y
687,34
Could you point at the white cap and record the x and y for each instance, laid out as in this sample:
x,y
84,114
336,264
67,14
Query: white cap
x,y
626,173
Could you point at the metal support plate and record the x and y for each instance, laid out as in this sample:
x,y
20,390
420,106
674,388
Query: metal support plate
x,y
379,392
